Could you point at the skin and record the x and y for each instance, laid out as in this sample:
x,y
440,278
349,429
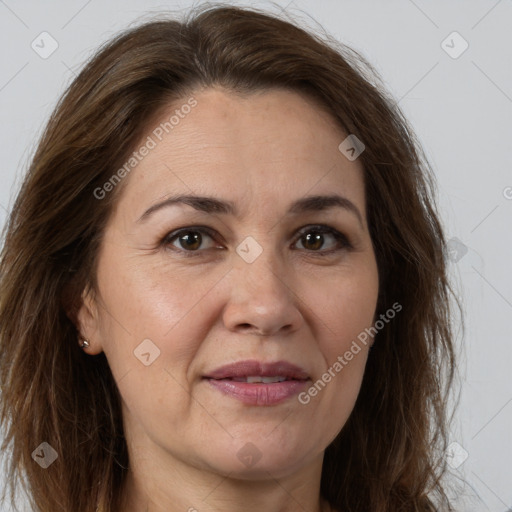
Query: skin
x,y
261,152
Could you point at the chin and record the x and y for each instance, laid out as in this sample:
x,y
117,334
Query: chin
x,y
255,461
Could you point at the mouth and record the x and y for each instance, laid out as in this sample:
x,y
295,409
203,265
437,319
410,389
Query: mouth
x,y
258,383
252,371
258,379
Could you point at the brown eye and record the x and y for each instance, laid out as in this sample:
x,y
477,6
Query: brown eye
x,y
191,240
314,239
320,240
188,240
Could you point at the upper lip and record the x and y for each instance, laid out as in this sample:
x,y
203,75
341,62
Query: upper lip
x,y
252,368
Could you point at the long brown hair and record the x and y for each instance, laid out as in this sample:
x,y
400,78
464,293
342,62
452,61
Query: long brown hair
x,y
389,455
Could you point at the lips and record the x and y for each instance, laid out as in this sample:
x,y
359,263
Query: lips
x,y
252,371
257,383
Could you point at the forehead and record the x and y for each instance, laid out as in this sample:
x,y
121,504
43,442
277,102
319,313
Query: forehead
x,y
270,144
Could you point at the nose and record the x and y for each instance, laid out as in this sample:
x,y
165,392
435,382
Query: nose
x,y
262,299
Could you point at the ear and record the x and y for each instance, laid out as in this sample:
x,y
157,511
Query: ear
x,y
87,322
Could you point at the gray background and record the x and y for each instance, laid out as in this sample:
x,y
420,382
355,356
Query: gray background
x,y
461,109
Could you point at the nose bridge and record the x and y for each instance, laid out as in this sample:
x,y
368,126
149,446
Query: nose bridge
x,y
260,264
261,296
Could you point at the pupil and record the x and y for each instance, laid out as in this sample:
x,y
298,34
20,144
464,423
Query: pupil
x,y
315,238
190,240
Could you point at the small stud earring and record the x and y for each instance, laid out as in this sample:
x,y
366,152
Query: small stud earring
x,y
85,344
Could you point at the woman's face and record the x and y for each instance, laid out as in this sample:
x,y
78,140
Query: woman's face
x,y
271,278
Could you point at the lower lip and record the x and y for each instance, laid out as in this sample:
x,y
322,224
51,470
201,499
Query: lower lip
x,y
260,394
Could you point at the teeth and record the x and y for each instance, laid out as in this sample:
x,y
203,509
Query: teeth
x,y
258,379
264,380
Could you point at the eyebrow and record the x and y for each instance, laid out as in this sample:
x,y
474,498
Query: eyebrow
x,y
213,205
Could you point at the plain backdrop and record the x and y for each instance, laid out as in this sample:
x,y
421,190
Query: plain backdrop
x,y
455,89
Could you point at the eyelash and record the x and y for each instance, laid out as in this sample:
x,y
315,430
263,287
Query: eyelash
x,y
317,229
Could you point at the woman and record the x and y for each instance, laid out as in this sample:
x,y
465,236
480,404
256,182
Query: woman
x,y
223,284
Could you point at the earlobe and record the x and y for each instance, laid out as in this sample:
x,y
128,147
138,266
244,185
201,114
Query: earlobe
x,y
87,323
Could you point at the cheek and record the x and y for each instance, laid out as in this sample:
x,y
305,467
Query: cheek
x,y
347,303
150,301
345,307
153,324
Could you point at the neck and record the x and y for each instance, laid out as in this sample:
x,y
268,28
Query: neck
x,y
185,488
